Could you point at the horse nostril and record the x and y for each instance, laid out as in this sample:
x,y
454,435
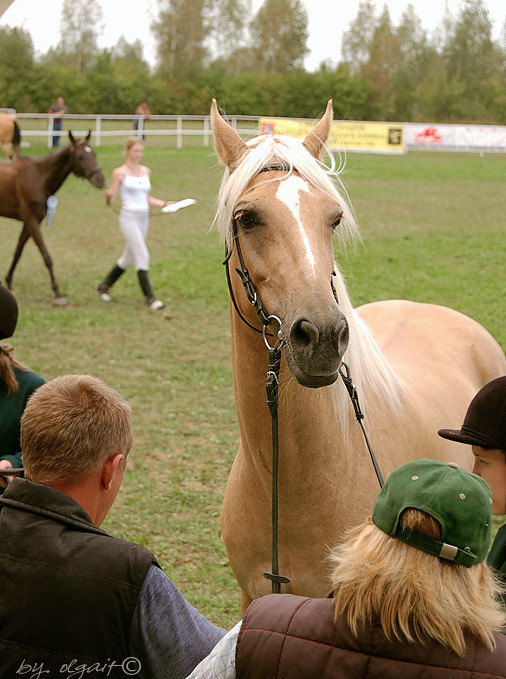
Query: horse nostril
x,y
341,336
304,333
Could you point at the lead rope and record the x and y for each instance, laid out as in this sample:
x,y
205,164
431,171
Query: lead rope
x,y
271,387
344,371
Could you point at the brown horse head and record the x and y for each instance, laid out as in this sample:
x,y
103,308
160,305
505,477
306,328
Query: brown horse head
x,y
84,161
284,208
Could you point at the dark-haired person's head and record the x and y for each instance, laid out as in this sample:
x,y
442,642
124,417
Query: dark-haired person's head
x,y
484,428
8,313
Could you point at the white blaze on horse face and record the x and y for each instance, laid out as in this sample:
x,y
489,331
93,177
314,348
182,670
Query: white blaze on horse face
x,y
289,193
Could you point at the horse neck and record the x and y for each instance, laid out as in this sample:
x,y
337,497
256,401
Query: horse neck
x,y
57,167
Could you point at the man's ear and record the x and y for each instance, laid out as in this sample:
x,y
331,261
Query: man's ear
x,y
110,468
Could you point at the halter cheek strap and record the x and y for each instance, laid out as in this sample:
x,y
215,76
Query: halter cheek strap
x,y
249,288
243,272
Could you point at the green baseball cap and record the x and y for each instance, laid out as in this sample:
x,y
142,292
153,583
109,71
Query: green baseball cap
x,y
460,501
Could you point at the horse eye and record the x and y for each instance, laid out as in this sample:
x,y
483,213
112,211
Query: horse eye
x,y
246,220
336,222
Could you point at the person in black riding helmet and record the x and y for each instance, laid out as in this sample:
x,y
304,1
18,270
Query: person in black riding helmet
x,y
484,428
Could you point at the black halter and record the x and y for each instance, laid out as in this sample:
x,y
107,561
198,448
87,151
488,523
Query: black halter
x,y
243,272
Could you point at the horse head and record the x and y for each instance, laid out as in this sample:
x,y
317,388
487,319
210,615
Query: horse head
x,y
84,161
279,207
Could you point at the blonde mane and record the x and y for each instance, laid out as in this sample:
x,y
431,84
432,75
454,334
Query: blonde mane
x,y
369,368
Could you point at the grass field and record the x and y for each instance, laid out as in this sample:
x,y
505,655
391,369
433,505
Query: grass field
x,y
434,230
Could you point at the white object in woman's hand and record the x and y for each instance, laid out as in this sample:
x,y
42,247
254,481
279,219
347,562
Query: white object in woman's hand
x,y
174,207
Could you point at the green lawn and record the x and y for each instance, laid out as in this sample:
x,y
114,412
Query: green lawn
x,y
434,230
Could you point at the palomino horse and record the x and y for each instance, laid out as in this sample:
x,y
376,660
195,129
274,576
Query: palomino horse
x,y
9,134
416,366
26,184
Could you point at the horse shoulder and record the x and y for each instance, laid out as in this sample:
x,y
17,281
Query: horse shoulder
x,y
434,335
25,185
387,316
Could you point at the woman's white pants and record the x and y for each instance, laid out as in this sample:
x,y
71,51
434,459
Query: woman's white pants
x,y
134,227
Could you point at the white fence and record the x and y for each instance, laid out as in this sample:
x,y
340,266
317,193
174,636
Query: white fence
x,y
197,130
106,126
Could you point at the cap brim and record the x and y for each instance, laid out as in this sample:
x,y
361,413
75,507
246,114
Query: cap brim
x,y
464,437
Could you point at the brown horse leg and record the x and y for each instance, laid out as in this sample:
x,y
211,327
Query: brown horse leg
x,y
23,237
59,299
33,230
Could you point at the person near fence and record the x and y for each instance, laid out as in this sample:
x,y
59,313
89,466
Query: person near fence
x,y
133,181
484,428
142,113
74,598
17,384
57,111
412,595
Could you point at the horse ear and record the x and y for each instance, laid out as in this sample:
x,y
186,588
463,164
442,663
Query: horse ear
x,y
315,140
227,142
71,137
88,136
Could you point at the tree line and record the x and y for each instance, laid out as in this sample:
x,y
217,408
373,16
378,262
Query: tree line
x,y
253,64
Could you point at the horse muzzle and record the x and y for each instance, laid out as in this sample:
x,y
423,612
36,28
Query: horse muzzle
x,y
314,348
97,178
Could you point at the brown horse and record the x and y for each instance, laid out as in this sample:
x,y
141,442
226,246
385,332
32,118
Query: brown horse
x,y
10,134
416,366
26,184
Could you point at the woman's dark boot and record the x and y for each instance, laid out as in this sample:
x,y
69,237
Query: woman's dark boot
x,y
108,282
151,301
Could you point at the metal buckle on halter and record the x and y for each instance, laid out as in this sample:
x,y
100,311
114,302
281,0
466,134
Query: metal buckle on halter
x,y
270,319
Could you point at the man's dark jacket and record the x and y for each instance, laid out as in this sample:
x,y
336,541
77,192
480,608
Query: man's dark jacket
x,y
68,589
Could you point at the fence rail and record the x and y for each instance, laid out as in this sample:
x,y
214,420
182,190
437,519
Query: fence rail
x,y
105,125
192,129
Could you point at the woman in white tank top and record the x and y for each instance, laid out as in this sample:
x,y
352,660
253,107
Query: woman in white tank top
x,y
133,181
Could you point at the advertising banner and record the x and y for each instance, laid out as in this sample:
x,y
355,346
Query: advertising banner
x,y
345,135
490,138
